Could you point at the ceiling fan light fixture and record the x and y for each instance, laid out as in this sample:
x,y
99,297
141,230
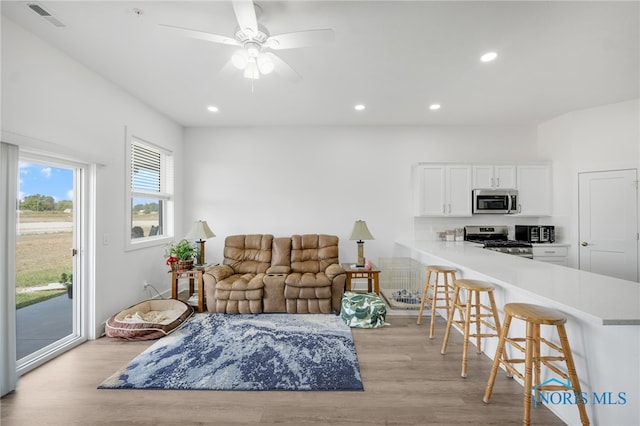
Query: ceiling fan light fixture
x,y
253,49
251,71
265,64
240,59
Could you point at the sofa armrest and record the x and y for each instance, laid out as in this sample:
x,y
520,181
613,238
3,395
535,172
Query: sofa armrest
x,y
334,270
279,270
219,272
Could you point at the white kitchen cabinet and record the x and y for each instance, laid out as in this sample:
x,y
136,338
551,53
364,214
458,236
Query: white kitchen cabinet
x,y
494,176
551,254
442,190
534,189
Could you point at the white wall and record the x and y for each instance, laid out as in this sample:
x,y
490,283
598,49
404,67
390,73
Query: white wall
x,y
602,138
61,106
320,180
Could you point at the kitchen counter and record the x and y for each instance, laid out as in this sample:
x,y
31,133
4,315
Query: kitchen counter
x,y
603,317
593,297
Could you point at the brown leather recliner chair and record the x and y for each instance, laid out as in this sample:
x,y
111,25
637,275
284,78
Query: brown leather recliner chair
x,y
236,286
303,275
316,281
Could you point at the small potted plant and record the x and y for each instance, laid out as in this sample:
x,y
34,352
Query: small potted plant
x,y
67,280
183,253
172,262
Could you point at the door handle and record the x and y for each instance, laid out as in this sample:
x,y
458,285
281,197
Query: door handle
x,y
74,252
584,244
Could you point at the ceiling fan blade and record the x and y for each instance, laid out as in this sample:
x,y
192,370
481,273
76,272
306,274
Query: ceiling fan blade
x,y
284,69
300,39
204,35
246,15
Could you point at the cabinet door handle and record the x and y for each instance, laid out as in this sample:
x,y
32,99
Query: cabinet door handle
x,y
584,244
444,208
492,182
550,251
498,182
449,208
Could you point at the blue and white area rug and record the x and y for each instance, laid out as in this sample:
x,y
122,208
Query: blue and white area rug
x,y
247,352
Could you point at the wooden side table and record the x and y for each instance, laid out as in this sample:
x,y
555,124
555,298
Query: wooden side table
x,y
192,275
371,275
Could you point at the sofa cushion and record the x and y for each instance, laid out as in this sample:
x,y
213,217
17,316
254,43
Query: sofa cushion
x,y
279,270
248,253
241,282
281,253
313,253
240,287
308,279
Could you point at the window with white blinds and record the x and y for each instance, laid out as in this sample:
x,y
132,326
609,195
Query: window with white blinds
x,y
146,168
150,192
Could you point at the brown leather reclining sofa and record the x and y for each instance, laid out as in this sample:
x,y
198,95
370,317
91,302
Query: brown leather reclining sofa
x,y
260,273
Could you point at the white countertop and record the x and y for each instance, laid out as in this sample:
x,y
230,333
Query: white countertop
x,y
605,300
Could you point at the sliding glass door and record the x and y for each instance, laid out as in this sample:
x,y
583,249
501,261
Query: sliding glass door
x,y
48,259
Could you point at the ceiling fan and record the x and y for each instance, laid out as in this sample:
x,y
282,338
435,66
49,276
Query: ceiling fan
x,y
255,58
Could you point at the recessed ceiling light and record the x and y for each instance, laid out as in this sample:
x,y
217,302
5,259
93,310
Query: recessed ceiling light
x,y
434,107
359,107
213,108
488,57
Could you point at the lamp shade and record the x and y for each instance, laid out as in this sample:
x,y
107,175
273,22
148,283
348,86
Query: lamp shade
x,y
360,231
200,231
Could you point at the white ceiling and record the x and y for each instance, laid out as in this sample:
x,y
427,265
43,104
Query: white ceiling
x,y
395,57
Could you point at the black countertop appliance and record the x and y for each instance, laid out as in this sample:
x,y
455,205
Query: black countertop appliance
x,y
536,233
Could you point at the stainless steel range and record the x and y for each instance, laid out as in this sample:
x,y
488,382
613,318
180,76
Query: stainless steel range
x,y
496,238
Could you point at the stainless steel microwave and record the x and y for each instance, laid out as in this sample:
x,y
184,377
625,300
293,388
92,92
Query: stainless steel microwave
x,y
495,201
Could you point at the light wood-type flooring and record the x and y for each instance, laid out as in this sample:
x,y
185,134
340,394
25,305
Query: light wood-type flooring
x,y
406,382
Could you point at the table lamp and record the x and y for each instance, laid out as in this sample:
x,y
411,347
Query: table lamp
x,y
201,231
360,232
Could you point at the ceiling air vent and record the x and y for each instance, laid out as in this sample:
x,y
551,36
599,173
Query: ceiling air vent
x,y
46,15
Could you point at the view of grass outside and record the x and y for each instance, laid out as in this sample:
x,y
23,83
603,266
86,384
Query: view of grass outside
x,y
145,216
42,258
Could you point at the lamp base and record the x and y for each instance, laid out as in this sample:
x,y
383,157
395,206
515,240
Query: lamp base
x,y
200,253
360,263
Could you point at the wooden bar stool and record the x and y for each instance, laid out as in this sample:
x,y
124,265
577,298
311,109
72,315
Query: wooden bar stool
x,y
440,295
472,311
535,316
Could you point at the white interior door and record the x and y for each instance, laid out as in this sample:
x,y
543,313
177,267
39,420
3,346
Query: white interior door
x,y
608,221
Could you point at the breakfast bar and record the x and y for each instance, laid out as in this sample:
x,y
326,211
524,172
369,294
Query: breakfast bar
x,y
603,320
